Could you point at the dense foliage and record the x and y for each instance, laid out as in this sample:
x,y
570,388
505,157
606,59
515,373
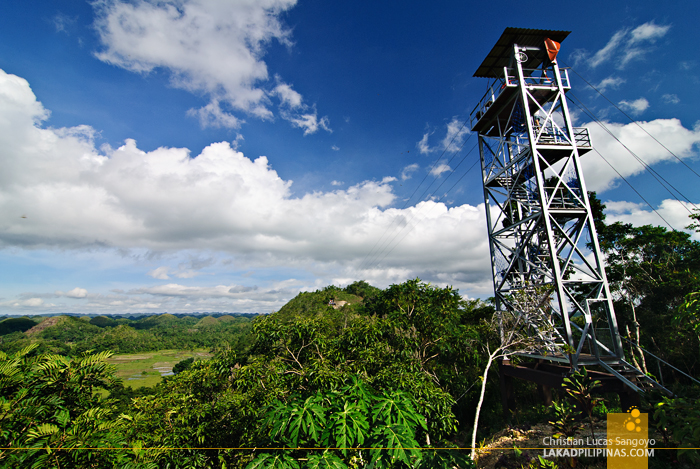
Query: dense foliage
x,y
338,378
383,372
52,416
651,271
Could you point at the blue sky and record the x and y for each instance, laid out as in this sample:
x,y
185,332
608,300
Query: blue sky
x,y
203,155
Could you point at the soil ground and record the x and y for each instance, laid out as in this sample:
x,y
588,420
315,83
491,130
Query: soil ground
x,y
515,447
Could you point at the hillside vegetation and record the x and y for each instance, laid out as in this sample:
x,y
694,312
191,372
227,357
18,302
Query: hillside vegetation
x,y
353,377
69,335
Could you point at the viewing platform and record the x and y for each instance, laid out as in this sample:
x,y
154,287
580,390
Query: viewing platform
x,y
499,96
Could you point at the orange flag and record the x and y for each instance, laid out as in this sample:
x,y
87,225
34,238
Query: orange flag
x,y
552,48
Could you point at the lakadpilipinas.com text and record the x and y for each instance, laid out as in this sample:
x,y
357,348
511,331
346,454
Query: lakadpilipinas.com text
x,y
589,447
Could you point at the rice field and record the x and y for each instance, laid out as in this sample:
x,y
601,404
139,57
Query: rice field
x,y
148,368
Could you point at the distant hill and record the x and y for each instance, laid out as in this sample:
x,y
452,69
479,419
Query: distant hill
x,y
318,303
21,324
70,335
207,321
46,323
103,321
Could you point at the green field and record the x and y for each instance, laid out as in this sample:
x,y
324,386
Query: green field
x,y
147,368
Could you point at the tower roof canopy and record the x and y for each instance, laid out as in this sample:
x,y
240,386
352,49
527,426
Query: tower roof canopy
x,y
493,64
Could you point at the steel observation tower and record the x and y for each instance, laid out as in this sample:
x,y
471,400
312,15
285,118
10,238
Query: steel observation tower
x,y
546,262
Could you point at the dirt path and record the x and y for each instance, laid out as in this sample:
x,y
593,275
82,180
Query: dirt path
x,y
501,452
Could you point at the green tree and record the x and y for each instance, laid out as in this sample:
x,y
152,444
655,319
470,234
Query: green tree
x,y
651,271
581,387
342,423
53,415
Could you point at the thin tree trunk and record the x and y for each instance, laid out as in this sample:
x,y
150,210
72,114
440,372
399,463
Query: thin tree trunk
x,y
481,401
637,331
634,355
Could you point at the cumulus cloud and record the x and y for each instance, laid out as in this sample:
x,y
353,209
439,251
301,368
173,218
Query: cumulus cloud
x,y
161,273
635,107
32,302
212,115
288,96
625,45
673,211
600,177
220,201
77,293
438,169
408,171
174,289
209,47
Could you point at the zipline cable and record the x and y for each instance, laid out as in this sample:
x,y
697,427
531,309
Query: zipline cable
x,y
653,172
578,103
440,198
373,260
623,178
418,186
632,120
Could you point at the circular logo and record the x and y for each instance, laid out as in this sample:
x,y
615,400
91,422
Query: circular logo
x,y
631,423
521,57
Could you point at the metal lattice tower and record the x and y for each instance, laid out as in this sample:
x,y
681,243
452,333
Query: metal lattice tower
x,y
546,261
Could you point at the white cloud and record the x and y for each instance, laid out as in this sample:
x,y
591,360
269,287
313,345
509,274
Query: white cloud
x,y
77,293
673,211
337,183
173,289
293,109
212,115
635,107
309,122
63,22
599,177
287,96
423,146
209,47
625,45
406,172
606,52
670,99
161,273
454,138
32,302
648,32
456,131
77,197
610,83
438,169
335,148
187,274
